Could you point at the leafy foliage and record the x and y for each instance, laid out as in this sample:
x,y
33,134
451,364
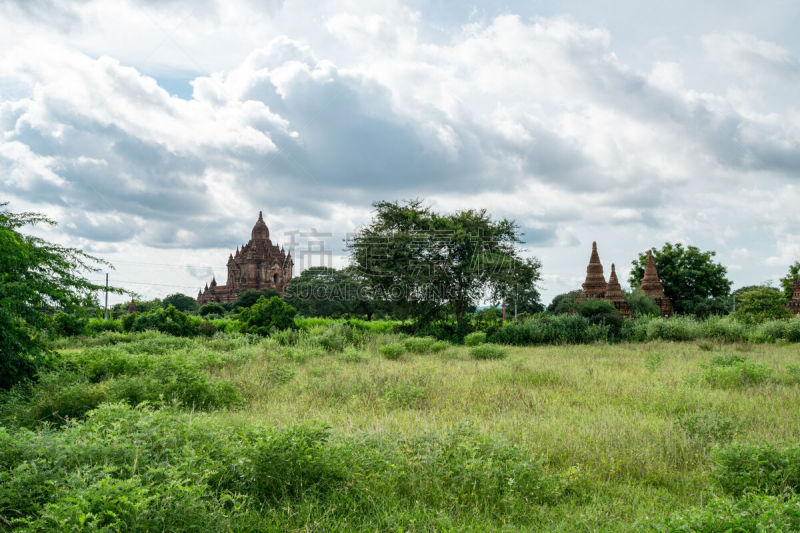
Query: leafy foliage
x,y
760,468
265,316
787,282
565,303
759,304
181,302
249,297
690,278
36,277
211,308
328,292
641,304
429,265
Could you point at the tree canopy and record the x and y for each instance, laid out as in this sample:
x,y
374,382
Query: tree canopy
x,y
328,292
36,278
429,264
760,304
181,302
788,280
691,279
251,296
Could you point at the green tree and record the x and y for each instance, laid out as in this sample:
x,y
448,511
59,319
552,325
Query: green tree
x,y
760,304
328,292
641,304
181,302
788,281
266,316
211,308
691,279
564,303
250,296
430,265
36,279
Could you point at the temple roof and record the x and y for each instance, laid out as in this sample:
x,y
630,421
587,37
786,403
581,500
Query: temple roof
x,y
260,231
651,285
595,284
614,289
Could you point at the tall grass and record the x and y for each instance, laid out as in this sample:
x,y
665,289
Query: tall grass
x,y
318,430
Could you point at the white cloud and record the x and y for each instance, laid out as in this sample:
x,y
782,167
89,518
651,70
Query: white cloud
x,y
311,114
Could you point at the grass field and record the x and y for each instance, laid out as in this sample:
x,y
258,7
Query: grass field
x,y
301,432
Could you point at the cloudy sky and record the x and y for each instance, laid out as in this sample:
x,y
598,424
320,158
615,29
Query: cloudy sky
x,y
155,131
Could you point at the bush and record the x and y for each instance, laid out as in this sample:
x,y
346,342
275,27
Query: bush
x,y
293,463
98,325
266,316
760,304
673,329
206,328
753,512
419,344
595,306
760,468
733,370
724,328
474,339
68,324
211,308
393,351
439,346
487,351
168,320
641,304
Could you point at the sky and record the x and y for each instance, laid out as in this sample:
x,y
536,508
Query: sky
x,y
153,132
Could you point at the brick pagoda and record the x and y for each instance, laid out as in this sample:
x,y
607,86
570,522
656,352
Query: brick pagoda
x,y
258,265
652,287
794,303
595,286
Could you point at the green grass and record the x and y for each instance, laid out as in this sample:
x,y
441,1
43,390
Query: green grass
x,y
320,431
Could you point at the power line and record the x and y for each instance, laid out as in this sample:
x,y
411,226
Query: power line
x,y
153,284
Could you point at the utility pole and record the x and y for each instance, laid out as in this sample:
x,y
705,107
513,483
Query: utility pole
x,y
105,314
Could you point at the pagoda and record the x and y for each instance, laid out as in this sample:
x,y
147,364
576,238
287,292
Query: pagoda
x,y
652,287
595,284
614,294
794,303
259,264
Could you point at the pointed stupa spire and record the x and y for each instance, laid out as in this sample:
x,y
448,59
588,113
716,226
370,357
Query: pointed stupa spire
x,y
651,285
614,289
213,281
595,284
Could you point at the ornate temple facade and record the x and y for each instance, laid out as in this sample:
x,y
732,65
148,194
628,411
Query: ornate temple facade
x,y
595,285
258,265
794,303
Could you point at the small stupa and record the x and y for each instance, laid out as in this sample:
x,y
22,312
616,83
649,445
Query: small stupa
x,y
652,287
614,294
794,303
595,284
132,307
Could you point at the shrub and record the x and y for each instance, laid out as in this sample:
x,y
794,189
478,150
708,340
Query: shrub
x,y
439,346
266,316
206,328
595,306
211,308
673,329
709,427
751,513
487,351
760,304
393,351
68,324
733,370
760,468
419,344
168,320
98,325
293,463
724,328
641,304
475,338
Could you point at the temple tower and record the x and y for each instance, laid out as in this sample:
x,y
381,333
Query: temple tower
x,y
794,303
595,284
614,294
652,287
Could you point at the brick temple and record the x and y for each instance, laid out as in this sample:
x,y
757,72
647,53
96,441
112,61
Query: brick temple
x,y
794,303
595,285
258,265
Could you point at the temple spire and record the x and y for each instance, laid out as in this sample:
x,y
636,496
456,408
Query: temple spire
x,y
614,289
651,285
595,284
